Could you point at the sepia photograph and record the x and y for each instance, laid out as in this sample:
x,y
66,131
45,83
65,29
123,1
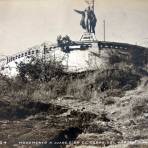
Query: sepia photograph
x,y
73,74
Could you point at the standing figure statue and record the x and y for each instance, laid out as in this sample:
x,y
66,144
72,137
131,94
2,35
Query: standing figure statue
x,y
88,20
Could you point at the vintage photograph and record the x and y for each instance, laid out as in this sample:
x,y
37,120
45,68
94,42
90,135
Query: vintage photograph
x,y
73,73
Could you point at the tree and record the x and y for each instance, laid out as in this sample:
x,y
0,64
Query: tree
x,y
64,42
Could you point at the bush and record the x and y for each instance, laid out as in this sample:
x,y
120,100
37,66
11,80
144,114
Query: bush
x,y
38,69
5,85
64,42
115,78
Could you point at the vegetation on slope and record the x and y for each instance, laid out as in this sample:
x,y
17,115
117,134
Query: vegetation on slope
x,y
28,99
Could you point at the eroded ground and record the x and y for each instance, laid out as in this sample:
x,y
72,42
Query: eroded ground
x,y
109,118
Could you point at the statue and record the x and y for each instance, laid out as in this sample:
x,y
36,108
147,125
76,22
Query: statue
x,y
83,21
88,20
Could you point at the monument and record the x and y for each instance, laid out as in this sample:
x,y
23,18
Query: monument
x,y
88,21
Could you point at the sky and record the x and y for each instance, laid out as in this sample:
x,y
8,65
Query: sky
x,y
25,23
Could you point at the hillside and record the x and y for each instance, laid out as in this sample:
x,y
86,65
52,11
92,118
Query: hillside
x,y
106,106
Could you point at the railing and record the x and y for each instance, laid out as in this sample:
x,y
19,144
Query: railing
x,y
116,45
21,55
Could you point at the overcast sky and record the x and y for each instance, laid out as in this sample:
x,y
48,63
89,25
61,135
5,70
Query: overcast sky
x,y
25,23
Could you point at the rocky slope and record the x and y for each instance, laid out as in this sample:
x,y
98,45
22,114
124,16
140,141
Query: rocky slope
x,y
104,107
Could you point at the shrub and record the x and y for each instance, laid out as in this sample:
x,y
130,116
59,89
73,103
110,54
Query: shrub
x,y
38,69
116,78
64,42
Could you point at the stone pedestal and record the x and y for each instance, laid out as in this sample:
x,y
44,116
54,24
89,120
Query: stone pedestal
x,y
88,37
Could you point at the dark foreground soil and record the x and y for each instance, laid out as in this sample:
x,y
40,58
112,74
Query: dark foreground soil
x,y
107,109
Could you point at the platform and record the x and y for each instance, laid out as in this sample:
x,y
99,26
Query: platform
x,y
88,37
